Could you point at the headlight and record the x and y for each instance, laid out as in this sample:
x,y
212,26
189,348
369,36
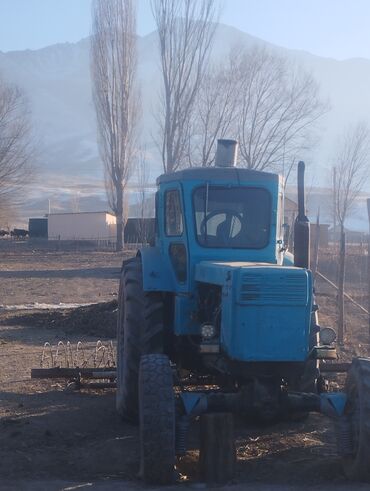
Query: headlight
x,y
208,331
327,335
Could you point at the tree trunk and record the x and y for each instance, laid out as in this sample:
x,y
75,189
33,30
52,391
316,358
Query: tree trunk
x,y
334,204
119,219
217,456
341,278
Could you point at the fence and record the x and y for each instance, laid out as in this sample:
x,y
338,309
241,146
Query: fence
x,y
55,244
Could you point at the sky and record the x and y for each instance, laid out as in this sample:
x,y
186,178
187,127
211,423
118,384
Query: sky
x,y
331,28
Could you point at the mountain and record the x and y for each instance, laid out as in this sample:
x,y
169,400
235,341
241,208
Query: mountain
x,y
56,80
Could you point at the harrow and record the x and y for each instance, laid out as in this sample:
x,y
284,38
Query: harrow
x,y
84,365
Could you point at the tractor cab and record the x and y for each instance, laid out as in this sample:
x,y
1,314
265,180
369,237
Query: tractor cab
x,y
217,214
219,253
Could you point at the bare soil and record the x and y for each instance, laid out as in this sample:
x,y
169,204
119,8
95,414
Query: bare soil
x,y
53,439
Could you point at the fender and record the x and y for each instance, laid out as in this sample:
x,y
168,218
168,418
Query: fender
x,y
157,274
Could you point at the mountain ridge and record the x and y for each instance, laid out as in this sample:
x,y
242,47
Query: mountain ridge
x,y
56,80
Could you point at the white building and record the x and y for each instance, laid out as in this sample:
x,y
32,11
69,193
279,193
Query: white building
x,y
92,225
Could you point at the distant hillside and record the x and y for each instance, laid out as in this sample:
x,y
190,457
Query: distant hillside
x,y
57,82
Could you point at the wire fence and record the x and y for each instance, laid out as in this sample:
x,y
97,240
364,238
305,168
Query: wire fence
x,y
106,244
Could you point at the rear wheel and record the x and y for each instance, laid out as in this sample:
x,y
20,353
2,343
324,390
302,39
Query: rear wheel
x,y
157,419
357,461
139,331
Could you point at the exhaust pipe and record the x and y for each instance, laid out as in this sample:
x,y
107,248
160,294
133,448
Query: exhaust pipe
x,y
226,153
301,225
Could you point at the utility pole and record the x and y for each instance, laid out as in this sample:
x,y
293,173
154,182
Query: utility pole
x,y
334,203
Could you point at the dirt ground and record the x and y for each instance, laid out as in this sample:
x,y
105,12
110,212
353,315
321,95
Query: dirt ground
x,y
54,439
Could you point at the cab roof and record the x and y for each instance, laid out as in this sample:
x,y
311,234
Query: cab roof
x,y
218,174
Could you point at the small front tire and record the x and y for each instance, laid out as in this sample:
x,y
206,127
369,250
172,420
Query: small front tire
x,y
157,419
357,464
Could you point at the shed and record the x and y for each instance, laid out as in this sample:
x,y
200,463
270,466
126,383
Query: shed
x,y
38,228
140,230
91,225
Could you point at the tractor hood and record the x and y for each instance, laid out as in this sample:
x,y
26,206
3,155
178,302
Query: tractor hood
x,y
266,309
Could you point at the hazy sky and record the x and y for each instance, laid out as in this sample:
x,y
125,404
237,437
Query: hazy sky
x,y
334,28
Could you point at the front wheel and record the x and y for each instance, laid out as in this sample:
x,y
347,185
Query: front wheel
x,y
356,463
157,419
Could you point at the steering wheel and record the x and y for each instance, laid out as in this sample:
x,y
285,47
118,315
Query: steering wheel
x,y
228,222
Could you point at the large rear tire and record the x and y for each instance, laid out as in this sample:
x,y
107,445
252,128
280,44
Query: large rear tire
x,y
357,464
157,420
139,331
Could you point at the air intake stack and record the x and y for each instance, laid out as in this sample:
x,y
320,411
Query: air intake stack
x,y
301,225
227,153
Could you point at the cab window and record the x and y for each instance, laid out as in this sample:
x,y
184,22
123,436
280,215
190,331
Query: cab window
x,y
234,217
173,214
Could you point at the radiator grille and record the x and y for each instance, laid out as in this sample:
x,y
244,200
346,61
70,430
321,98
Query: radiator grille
x,y
274,289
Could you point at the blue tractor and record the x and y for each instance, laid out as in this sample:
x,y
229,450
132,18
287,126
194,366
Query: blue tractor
x,y
217,316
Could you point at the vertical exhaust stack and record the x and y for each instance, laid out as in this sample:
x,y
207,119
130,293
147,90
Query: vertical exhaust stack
x,y
301,225
226,153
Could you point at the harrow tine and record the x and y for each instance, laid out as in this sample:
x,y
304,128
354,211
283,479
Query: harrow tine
x,y
78,355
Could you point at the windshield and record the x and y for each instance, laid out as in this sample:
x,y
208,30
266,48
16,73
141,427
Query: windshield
x,y
236,217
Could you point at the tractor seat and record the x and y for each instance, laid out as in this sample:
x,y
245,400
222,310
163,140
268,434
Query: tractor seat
x,y
222,233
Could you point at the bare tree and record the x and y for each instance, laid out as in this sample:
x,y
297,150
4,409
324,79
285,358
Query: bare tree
x,y
16,149
113,67
278,107
185,32
144,203
351,173
216,111
266,102
352,169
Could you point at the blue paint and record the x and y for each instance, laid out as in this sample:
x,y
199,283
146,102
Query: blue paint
x,y
195,403
332,404
197,253
186,321
268,307
157,273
